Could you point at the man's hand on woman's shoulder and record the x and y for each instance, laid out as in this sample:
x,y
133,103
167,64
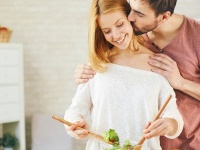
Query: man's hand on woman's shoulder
x,y
83,73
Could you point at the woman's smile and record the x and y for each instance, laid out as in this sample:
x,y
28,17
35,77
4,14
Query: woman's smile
x,y
121,41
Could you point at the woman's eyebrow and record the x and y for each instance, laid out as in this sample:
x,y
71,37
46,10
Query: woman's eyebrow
x,y
105,28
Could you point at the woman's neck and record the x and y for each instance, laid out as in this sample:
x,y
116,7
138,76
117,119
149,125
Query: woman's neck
x,y
136,58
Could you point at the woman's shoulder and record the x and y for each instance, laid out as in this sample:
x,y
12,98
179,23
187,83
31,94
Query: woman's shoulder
x,y
145,50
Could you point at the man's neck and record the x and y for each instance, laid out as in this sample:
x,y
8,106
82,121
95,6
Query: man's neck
x,y
167,31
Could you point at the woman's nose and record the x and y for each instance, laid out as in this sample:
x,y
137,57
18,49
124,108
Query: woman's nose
x,y
116,34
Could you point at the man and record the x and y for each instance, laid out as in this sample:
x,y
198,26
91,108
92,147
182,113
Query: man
x,y
175,39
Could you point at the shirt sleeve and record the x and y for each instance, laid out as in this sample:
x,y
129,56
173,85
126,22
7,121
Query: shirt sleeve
x,y
171,110
81,104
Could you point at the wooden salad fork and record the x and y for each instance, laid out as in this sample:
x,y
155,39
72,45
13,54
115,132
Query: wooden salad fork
x,y
97,136
139,145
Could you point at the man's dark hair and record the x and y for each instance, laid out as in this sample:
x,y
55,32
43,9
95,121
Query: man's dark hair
x,y
161,6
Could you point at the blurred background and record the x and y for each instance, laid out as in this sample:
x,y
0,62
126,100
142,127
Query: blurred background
x,y
54,38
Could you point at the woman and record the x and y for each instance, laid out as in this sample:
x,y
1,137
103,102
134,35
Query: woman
x,y
124,95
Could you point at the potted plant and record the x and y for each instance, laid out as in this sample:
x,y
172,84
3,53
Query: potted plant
x,y
0,142
9,141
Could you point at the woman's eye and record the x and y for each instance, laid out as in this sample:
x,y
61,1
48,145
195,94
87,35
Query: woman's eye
x,y
120,24
106,32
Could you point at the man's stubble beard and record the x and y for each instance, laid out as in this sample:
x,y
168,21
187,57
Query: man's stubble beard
x,y
136,32
139,32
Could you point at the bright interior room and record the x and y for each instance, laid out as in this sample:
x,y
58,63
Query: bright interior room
x,y
47,40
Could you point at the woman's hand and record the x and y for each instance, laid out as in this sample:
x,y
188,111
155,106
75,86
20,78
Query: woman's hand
x,y
83,73
160,127
77,133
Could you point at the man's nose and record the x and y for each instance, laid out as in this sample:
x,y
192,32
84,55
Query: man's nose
x,y
131,16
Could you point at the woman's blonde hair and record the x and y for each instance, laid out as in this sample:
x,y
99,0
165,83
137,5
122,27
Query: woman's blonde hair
x,y
98,47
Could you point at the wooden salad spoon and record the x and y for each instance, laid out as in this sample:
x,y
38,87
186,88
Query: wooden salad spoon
x,y
97,136
139,145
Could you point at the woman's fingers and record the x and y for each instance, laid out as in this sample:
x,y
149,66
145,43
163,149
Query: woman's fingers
x,y
78,130
158,128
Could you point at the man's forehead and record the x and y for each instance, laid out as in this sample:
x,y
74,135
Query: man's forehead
x,y
142,2
139,4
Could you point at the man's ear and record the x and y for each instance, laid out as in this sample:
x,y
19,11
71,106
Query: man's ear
x,y
164,16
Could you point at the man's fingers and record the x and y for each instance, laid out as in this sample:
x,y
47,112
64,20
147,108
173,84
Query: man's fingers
x,y
83,76
159,65
84,66
83,73
87,73
160,71
79,81
162,57
85,69
161,61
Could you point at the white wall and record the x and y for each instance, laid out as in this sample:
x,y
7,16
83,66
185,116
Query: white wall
x,y
190,8
54,35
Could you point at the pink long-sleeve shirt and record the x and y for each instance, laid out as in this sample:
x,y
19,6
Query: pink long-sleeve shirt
x,y
185,50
